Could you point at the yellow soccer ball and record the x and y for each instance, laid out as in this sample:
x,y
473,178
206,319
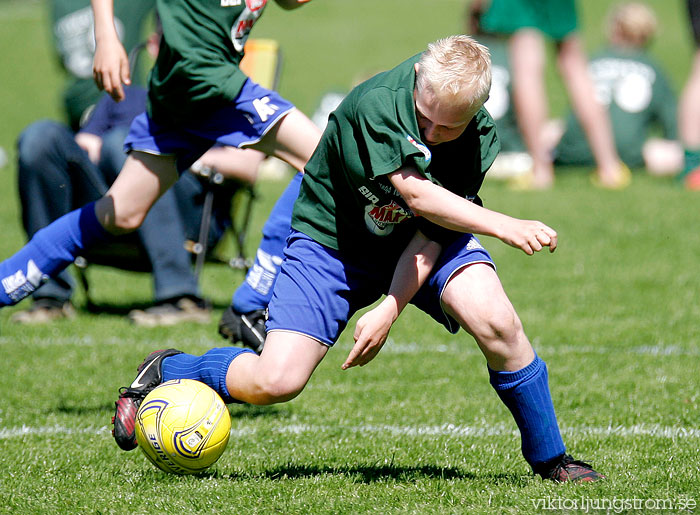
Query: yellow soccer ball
x,y
183,426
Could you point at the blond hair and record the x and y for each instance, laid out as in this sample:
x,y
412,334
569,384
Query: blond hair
x,y
633,22
456,67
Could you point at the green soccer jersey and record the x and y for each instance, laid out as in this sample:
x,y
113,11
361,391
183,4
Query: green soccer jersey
x,y
346,200
197,67
639,99
73,34
555,18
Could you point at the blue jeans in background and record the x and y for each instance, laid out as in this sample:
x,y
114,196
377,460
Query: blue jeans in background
x,y
56,176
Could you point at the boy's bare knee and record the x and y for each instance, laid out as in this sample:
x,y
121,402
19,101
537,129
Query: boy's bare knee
x,y
128,223
114,221
278,388
502,332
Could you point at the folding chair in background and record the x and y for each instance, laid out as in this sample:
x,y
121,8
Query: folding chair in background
x,y
262,62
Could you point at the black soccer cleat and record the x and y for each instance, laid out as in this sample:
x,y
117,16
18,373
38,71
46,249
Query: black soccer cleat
x,y
150,375
247,328
565,469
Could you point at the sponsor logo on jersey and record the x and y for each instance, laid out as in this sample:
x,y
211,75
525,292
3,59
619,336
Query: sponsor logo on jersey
x,y
424,150
368,194
388,189
380,220
254,5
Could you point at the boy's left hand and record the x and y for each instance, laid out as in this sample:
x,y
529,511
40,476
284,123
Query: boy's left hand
x,y
371,332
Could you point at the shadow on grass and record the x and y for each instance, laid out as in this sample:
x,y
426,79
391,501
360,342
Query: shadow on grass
x,y
376,473
123,309
249,411
68,407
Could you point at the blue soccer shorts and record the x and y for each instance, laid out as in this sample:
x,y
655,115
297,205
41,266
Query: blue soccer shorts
x,y
318,289
241,123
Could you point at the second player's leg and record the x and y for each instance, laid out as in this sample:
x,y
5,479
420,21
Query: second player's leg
x,y
143,179
293,139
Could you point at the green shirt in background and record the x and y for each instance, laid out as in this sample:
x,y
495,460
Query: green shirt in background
x,y
639,99
555,18
73,29
347,202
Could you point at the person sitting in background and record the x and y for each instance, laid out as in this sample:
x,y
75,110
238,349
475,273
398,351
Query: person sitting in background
x,y
638,96
58,171
526,22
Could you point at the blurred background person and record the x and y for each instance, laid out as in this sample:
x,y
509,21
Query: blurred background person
x,y
513,161
527,22
59,171
73,32
689,108
637,94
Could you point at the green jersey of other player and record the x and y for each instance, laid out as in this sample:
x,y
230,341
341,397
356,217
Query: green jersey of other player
x,y
197,67
346,201
639,98
555,18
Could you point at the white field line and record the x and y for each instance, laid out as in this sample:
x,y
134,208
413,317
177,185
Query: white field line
x,y
469,348
448,430
462,346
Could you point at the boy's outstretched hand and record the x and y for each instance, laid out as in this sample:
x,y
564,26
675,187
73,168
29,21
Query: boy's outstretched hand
x,y
530,236
371,332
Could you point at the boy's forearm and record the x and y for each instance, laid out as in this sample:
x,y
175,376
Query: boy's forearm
x,y
103,11
445,208
456,213
413,268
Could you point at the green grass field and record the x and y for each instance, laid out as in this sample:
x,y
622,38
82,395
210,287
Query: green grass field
x,y
614,312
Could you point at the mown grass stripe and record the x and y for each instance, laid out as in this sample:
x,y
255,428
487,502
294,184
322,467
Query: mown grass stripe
x,y
655,431
392,347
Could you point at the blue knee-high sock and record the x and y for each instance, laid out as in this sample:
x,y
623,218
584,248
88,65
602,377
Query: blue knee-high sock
x,y
50,250
526,394
210,368
256,291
